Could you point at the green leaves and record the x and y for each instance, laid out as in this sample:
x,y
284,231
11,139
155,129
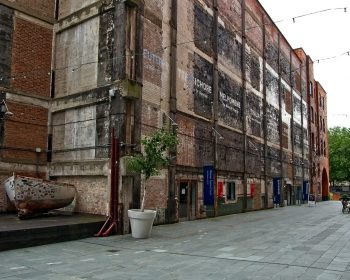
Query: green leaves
x,y
339,153
155,153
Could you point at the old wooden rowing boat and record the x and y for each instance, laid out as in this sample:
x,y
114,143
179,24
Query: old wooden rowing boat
x,y
33,195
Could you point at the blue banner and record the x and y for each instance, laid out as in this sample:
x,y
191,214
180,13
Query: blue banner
x,y
276,191
208,184
305,190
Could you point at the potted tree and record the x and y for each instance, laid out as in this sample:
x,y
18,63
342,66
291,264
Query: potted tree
x,y
149,162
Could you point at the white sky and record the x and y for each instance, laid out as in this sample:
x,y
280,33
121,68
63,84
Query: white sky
x,y
321,35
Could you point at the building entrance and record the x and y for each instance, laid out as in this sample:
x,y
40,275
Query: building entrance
x,y
187,200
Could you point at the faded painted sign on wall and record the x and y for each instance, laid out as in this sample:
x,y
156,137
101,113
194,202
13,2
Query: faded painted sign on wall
x,y
230,101
202,87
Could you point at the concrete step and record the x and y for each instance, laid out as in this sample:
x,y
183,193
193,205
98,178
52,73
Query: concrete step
x,y
45,229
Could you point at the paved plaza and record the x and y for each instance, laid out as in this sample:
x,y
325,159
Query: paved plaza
x,y
296,242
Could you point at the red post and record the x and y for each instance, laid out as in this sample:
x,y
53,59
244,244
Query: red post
x,y
112,220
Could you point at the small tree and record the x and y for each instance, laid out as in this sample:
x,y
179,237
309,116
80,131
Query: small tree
x,y
154,157
339,153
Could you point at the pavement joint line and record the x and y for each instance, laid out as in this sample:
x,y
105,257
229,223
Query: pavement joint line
x,y
245,260
18,267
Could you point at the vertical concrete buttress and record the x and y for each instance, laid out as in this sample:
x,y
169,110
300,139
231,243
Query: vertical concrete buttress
x,y
244,107
292,115
264,113
280,116
172,207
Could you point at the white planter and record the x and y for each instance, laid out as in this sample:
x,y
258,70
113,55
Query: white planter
x,y
141,222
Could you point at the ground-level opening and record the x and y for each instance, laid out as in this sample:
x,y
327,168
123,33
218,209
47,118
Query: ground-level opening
x,y
187,200
325,185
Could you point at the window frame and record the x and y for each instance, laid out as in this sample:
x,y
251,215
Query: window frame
x,y
229,190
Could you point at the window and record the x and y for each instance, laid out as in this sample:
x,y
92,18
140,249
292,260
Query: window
x,y
231,191
324,126
319,100
311,90
312,114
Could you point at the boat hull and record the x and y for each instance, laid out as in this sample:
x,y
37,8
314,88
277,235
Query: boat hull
x,y
33,195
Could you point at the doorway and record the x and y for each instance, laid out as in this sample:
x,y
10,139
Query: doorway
x,y
325,185
187,200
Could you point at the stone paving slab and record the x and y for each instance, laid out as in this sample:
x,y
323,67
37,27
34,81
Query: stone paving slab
x,y
296,242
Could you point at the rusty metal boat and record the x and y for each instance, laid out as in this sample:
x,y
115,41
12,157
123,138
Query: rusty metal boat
x,y
32,195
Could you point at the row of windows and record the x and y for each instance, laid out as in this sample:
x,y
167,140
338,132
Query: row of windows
x,y
321,100
319,146
313,118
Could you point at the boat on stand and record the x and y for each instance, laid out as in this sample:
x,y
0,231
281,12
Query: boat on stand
x,y
33,196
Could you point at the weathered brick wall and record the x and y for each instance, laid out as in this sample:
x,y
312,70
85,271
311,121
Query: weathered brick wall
x,y
25,131
42,9
26,64
156,192
155,92
154,59
92,194
231,12
194,87
31,57
6,27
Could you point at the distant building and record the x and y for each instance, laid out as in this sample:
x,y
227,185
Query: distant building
x,y
220,73
321,173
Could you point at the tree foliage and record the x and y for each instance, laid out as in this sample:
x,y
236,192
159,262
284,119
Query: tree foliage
x,y
339,153
154,157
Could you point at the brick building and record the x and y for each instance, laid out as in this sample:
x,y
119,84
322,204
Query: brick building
x,y
320,175
26,30
220,73
318,139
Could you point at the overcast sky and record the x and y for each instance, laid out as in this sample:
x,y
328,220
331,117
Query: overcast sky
x,y
321,35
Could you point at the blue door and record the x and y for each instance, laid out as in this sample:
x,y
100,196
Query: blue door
x,y
277,190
